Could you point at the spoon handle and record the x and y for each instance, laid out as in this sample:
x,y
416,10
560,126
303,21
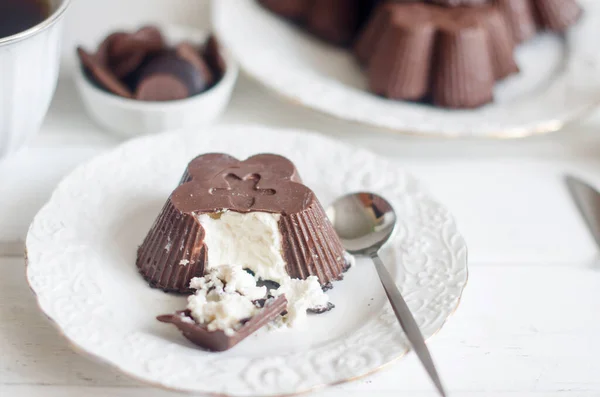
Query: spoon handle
x,y
407,321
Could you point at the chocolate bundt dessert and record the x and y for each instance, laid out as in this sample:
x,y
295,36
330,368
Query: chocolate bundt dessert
x,y
525,17
335,21
448,56
449,53
254,213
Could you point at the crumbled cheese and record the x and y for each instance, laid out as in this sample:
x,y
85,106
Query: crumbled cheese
x,y
224,297
301,296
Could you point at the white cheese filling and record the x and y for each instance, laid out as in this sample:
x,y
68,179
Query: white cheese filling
x,y
224,296
250,240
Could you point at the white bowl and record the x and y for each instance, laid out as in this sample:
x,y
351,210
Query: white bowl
x,y
129,117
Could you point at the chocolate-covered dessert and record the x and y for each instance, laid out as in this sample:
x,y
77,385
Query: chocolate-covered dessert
x,y
335,21
142,66
525,17
450,56
254,213
448,53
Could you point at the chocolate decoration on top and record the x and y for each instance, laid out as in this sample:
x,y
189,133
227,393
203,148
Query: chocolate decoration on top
x,y
217,340
260,183
174,251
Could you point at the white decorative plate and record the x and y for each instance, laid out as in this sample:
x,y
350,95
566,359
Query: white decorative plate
x,y
559,79
81,265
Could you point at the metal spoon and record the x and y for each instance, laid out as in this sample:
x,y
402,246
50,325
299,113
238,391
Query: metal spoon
x,y
364,222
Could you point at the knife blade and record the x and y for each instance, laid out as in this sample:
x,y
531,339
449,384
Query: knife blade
x,y
587,199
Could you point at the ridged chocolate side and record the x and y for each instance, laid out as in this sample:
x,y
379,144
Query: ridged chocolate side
x,y
335,21
292,9
520,17
457,3
311,247
174,237
462,70
451,56
389,72
557,15
371,34
501,44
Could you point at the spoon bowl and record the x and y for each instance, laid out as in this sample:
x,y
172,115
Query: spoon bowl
x,y
363,221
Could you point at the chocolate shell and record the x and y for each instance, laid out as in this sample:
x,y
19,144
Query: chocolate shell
x,y
450,56
520,17
525,17
174,251
457,3
218,340
335,21
462,74
557,15
295,10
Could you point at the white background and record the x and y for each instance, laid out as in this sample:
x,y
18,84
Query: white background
x,y
529,322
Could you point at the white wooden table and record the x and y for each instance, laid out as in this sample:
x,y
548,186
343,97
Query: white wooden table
x,y
529,321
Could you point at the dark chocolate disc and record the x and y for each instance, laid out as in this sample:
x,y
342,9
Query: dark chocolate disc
x,y
124,66
102,75
148,40
161,87
127,52
212,55
191,54
170,73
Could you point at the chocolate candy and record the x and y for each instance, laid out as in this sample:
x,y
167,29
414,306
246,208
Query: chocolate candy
x,y
212,54
101,74
191,54
218,340
127,52
169,77
140,65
